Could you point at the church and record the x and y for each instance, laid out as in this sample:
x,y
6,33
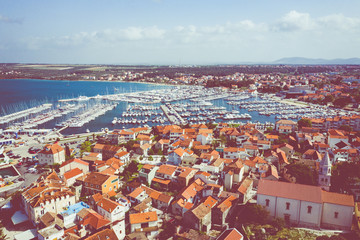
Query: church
x,y
305,205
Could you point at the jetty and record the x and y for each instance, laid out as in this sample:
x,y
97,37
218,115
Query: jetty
x,y
22,114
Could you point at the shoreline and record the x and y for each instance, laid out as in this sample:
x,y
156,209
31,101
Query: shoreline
x,y
82,80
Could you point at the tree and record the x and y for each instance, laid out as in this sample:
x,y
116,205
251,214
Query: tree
x,y
303,173
151,152
163,159
168,232
85,147
253,214
344,175
328,98
341,102
150,158
304,122
160,152
346,128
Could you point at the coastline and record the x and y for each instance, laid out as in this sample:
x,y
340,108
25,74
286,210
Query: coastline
x,y
82,80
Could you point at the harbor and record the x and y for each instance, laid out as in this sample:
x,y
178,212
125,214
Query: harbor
x,y
168,105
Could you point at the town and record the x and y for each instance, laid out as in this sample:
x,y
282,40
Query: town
x,y
206,175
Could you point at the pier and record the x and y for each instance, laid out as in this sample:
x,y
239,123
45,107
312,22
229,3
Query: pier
x,y
172,115
24,113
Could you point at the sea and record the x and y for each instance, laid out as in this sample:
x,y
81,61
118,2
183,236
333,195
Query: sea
x,y
21,94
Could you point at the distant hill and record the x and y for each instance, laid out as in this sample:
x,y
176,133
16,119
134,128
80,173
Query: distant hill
x,y
317,61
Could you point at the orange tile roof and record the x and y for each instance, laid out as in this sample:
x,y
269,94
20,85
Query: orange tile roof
x,y
72,173
107,204
303,192
51,149
74,160
143,217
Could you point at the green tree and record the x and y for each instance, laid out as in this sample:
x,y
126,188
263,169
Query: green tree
x,y
328,98
303,173
169,231
341,102
163,159
346,128
160,152
304,122
150,158
344,175
151,152
253,214
85,147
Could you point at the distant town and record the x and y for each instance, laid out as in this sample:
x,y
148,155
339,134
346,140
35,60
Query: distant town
x,y
171,169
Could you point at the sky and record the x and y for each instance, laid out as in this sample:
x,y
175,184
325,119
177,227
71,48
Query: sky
x,y
176,31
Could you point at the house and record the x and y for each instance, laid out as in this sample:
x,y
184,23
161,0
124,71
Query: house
x,y
178,154
71,176
69,215
183,176
336,136
199,218
159,200
221,211
235,153
147,173
72,164
51,154
51,232
306,205
164,175
146,222
124,156
50,194
91,220
285,123
245,189
110,210
186,199
107,151
95,182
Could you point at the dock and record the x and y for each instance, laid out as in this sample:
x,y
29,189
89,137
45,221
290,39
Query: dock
x,y
172,115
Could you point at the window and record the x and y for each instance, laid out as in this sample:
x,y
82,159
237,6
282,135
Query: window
x,y
267,202
336,214
287,206
309,209
105,185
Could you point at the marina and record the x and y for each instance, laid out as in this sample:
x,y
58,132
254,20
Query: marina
x,y
153,105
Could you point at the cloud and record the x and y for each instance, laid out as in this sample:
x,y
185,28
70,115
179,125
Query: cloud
x,y
5,19
295,21
340,22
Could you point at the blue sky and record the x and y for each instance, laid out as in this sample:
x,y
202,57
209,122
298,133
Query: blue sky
x,y
173,32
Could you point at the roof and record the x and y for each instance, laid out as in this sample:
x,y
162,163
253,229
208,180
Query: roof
x,y
143,217
167,169
282,121
93,219
74,160
303,192
103,235
230,234
73,173
107,204
226,204
201,211
51,149
245,185
96,178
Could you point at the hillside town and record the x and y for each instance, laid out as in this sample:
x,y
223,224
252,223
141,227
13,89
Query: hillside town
x,y
207,181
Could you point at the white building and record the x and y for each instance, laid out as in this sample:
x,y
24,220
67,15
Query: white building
x,y
110,210
306,205
51,154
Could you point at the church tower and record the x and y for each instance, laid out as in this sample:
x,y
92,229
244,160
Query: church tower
x,y
325,172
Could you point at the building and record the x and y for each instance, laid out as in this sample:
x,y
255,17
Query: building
x,y
72,164
325,172
146,222
95,182
50,194
305,205
51,154
147,173
230,234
